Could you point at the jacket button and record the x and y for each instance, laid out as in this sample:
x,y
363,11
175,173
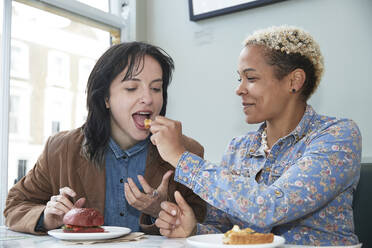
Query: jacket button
x,y
121,180
121,214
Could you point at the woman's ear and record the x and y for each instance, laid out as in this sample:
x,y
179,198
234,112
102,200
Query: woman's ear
x,y
107,102
298,77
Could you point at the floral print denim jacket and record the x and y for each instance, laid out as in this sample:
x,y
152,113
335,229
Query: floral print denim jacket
x,y
304,192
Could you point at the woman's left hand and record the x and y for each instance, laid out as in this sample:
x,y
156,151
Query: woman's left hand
x,y
167,136
148,201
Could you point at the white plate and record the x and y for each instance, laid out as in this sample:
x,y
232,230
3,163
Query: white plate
x,y
215,240
110,233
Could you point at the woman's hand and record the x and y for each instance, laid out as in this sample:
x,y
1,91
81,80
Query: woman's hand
x,y
149,201
167,136
176,220
58,206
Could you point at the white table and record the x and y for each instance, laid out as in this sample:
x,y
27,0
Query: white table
x,y
10,239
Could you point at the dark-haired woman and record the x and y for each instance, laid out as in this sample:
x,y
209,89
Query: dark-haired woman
x,y
108,164
295,175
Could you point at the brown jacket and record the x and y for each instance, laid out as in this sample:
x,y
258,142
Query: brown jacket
x,y
61,164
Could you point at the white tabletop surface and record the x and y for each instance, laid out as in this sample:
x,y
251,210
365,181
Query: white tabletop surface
x,y
10,239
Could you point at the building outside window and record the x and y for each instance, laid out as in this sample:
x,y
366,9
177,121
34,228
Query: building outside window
x,y
58,69
54,45
19,110
14,114
19,65
85,67
51,59
55,127
22,168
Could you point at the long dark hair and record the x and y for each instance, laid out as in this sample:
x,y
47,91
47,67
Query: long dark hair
x,y
118,57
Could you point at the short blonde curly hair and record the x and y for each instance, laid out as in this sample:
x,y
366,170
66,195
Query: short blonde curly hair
x,y
289,40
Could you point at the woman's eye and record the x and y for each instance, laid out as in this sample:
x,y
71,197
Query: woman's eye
x,y
156,89
251,78
130,89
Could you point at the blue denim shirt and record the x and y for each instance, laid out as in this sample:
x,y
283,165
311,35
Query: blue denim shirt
x,y
119,166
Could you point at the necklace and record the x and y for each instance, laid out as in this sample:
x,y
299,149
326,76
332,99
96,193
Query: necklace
x,y
264,141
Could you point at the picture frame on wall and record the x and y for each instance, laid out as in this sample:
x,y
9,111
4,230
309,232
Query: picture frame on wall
x,y
203,9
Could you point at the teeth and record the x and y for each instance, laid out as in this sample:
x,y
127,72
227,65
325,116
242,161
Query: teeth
x,y
143,113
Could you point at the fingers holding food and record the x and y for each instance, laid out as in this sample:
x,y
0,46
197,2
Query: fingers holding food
x,y
62,199
58,206
66,191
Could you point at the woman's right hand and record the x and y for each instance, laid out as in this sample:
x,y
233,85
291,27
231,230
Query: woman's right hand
x,y
58,206
176,220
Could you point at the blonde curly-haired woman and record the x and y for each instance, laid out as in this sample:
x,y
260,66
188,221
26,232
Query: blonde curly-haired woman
x,y
294,176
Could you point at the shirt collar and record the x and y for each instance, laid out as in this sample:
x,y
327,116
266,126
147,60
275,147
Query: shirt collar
x,y
119,153
303,127
298,133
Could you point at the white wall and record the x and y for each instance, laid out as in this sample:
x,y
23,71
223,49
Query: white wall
x,y
205,53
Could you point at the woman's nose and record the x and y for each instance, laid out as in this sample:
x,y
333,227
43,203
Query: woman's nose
x,y
241,89
146,97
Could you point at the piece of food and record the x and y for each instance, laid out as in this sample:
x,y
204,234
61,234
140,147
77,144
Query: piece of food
x,y
147,123
237,236
83,220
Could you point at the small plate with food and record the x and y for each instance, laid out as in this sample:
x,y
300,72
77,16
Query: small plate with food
x,y
86,224
109,232
237,238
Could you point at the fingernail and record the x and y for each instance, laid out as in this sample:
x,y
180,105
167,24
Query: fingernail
x,y
178,222
174,212
162,205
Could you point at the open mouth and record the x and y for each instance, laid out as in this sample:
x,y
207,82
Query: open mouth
x,y
139,118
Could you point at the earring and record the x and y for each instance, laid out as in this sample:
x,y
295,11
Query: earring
x,y
293,90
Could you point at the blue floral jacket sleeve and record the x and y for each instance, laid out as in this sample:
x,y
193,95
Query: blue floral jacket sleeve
x,y
318,171
216,221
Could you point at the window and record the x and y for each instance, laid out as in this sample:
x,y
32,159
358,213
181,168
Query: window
x,y
22,168
50,47
58,69
52,56
81,108
58,108
14,114
19,110
55,127
19,60
85,67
